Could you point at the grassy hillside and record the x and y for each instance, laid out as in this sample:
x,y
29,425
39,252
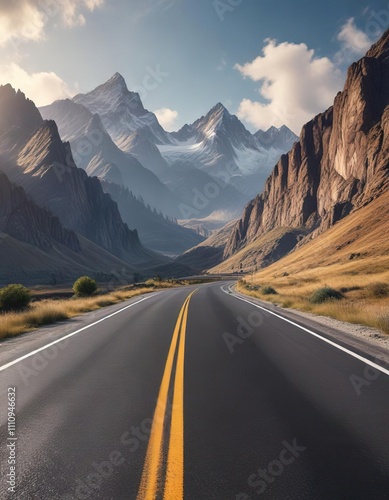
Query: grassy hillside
x,y
352,257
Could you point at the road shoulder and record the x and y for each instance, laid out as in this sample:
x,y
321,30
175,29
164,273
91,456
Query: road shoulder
x,y
364,339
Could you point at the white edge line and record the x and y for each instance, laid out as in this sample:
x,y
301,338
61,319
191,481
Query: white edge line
x,y
32,353
351,353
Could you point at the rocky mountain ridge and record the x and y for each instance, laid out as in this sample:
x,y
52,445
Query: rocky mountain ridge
x,y
340,163
94,150
216,145
34,157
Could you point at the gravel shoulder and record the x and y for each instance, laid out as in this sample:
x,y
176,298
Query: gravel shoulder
x,y
367,340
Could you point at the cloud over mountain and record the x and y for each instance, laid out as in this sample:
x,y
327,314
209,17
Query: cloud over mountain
x,y
167,118
295,85
354,42
43,88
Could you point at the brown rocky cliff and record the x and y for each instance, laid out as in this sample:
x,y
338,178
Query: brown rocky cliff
x,y
340,163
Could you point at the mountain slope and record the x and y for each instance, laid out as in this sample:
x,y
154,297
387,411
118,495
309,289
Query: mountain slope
x,y
201,194
339,164
219,143
155,230
121,111
217,147
208,253
353,253
95,152
35,247
279,138
44,166
124,116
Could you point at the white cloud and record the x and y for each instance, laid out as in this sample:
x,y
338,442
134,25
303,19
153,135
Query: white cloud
x,y
22,20
42,88
167,118
354,42
294,85
71,14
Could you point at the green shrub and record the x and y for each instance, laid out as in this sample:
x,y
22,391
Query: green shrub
x,y
14,297
84,286
324,294
378,290
268,290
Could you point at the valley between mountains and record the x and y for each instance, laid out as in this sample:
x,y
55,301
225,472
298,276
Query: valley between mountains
x,y
94,185
196,311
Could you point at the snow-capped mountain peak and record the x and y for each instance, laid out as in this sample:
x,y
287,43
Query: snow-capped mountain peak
x,y
213,120
278,138
111,96
117,78
122,111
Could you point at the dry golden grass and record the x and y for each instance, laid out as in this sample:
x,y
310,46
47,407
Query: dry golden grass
x,y
352,257
51,311
354,308
47,312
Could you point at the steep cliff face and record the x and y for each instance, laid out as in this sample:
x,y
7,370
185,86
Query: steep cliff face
x,y
340,163
26,222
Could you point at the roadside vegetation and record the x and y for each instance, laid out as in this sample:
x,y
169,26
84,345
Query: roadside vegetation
x,y
20,314
364,300
351,258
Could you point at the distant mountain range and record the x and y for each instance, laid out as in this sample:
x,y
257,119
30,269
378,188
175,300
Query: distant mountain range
x,y
209,169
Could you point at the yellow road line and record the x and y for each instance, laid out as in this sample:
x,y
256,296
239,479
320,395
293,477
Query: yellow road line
x,y
174,485
151,481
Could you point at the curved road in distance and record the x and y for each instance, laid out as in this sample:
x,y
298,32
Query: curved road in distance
x,y
195,393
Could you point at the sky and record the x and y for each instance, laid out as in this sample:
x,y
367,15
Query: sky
x,y
269,62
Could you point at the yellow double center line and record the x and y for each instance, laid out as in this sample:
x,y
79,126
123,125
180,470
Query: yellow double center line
x,y
153,484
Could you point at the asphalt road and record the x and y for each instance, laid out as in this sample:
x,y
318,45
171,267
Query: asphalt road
x,y
196,394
